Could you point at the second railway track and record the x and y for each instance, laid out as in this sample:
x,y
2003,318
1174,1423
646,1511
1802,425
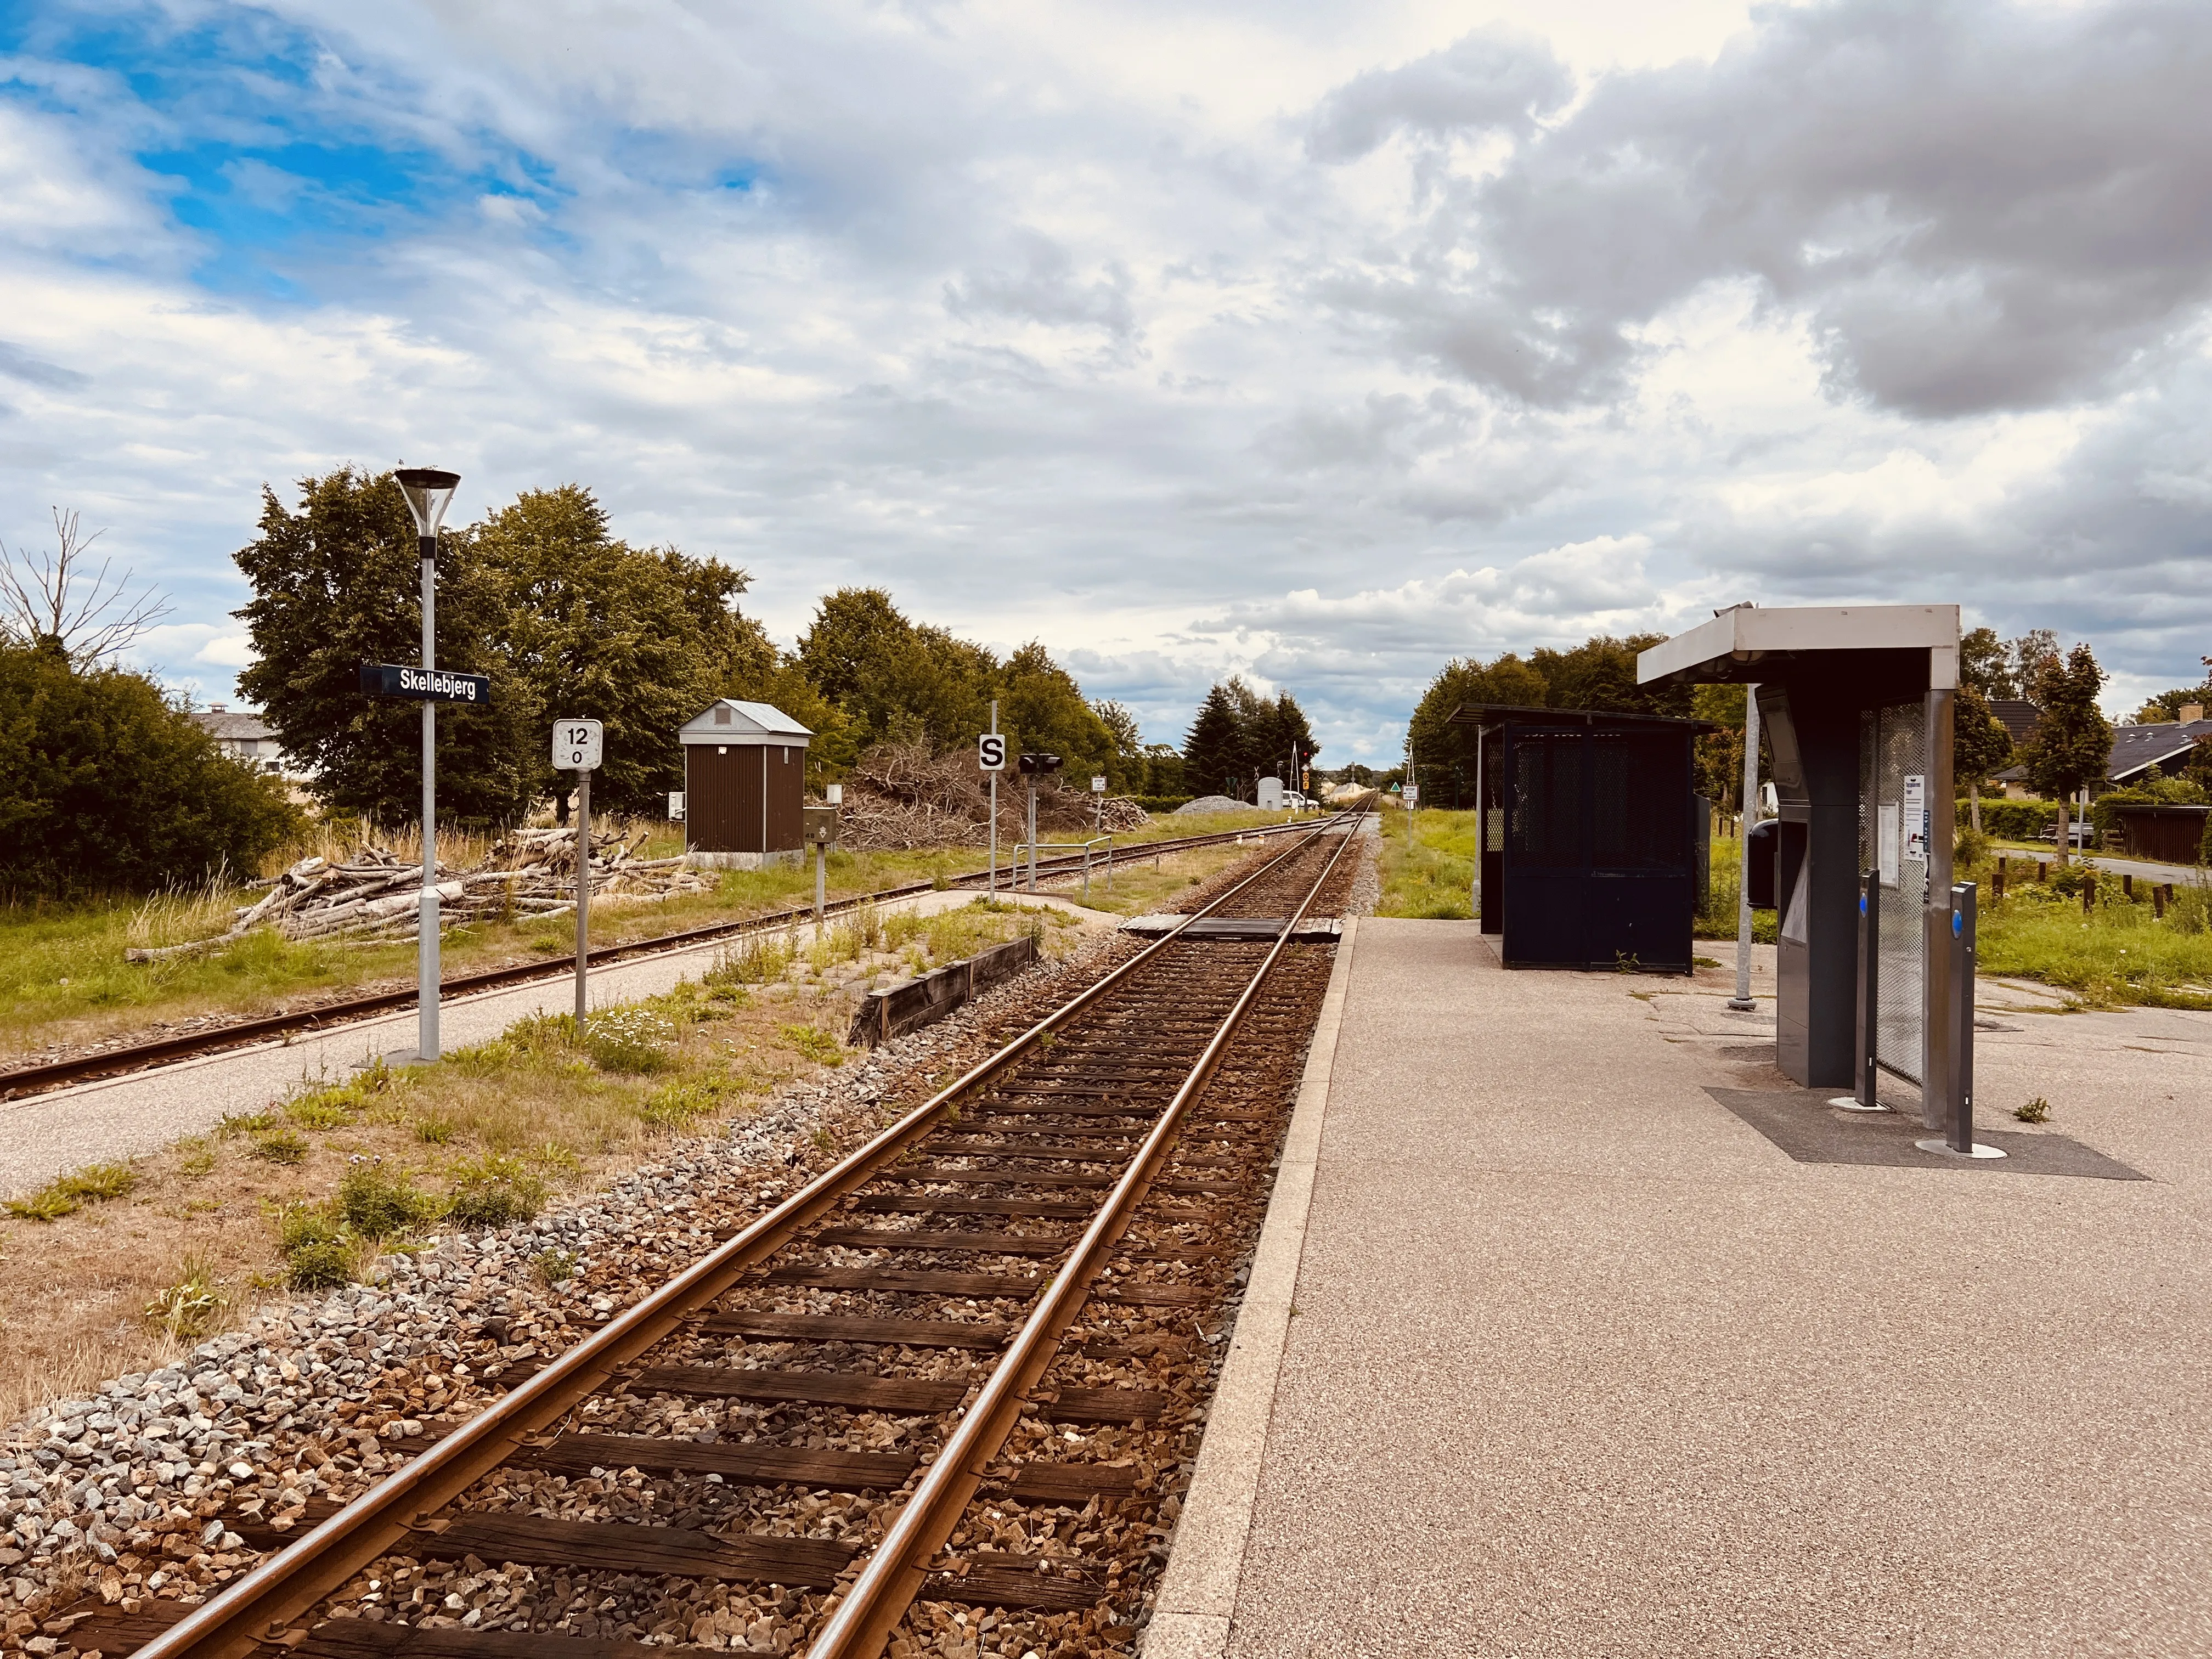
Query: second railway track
x,y
936,1401
27,1080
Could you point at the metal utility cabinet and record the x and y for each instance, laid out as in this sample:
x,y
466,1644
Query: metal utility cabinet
x,y
1592,841
1854,702
745,786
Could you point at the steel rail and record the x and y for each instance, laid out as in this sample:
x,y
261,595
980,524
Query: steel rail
x,y
260,1606
862,1622
85,1068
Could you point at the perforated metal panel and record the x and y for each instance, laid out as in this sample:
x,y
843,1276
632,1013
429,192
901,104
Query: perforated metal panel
x,y
1893,747
1547,826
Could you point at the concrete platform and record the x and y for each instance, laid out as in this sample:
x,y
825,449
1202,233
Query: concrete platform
x,y
1548,1351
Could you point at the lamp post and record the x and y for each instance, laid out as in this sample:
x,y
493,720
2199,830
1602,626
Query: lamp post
x,y
428,491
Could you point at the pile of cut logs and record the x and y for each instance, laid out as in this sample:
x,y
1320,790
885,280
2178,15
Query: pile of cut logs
x,y
528,873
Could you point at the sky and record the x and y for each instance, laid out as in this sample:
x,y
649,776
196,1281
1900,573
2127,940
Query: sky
x,y
1321,344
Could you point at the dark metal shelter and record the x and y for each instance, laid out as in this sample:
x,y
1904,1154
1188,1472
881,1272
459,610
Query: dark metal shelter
x,y
1594,839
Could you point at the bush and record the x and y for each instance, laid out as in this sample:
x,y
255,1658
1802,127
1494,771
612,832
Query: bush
x,y
493,1192
2014,820
318,1253
109,788
629,1039
1163,803
376,1202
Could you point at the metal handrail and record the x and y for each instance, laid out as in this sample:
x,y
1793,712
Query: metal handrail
x,y
1082,846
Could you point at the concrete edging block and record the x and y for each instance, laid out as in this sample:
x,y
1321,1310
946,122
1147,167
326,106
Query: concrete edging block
x,y
1196,1604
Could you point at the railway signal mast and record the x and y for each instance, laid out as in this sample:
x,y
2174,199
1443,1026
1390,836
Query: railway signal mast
x,y
1033,767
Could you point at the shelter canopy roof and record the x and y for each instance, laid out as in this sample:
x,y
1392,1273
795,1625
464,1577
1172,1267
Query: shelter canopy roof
x,y
1747,643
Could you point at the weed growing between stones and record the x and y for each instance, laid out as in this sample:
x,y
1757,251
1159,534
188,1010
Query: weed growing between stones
x,y
95,1183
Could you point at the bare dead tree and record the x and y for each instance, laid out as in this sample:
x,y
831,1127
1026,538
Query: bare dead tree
x,y
92,613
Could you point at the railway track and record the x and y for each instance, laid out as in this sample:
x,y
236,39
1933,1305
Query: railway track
x,y
936,1400
84,1068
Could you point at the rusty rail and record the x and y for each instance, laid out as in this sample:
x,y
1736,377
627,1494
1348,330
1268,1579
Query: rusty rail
x,y
258,1607
863,1621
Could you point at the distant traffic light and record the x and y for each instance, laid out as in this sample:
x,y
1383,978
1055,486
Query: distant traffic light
x,y
1037,765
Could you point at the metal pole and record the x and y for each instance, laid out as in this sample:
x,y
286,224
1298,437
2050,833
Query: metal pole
x,y
1742,1001
1941,809
821,861
1962,1016
993,885
583,890
426,949
1868,1095
1958,1081
1032,832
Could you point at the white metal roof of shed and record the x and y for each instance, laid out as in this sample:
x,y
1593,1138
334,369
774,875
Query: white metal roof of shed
x,y
728,720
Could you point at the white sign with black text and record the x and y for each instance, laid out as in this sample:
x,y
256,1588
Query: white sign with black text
x,y
577,745
991,751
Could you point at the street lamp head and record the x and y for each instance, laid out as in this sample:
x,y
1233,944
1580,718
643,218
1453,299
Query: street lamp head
x,y
427,490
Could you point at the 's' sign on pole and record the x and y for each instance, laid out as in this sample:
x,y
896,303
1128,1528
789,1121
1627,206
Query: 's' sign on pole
x,y
576,748
991,758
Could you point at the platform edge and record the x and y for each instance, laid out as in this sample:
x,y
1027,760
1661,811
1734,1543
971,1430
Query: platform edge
x,y
1196,1603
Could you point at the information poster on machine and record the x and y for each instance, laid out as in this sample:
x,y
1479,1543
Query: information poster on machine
x,y
1916,817
1884,842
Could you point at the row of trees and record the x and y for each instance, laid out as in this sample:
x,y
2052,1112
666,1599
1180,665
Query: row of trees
x,y
1240,736
567,619
2067,752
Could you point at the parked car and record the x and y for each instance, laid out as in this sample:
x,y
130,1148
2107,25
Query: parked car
x,y
2080,832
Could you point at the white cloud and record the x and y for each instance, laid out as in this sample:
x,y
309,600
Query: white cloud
x,y
1074,323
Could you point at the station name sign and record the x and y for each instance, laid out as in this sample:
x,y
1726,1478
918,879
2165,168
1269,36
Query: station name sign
x,y
389,679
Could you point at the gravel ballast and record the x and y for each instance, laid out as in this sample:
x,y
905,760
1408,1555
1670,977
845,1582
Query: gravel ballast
x,y
139,1491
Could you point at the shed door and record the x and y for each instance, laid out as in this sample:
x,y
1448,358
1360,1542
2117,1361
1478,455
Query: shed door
x,y
722,797
784,766
1546,855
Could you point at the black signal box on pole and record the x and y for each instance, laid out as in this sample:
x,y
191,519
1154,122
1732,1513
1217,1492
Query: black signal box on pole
x,y
1037,765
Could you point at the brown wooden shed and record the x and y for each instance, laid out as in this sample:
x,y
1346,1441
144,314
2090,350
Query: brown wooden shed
x,y
745,786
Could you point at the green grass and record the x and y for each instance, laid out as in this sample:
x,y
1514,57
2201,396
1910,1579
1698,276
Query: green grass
x,y
2114,955
63,971
1430,873
1718,918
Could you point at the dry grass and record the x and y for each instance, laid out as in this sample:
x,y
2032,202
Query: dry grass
x,y
134,1267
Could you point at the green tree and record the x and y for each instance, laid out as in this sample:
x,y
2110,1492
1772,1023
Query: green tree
x,y
1213,753
336,583
1980,745
1986,666
1437,746
1718,756
1601,674
1269,732
2072,742
640,639
894,678
1042,707
109,788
